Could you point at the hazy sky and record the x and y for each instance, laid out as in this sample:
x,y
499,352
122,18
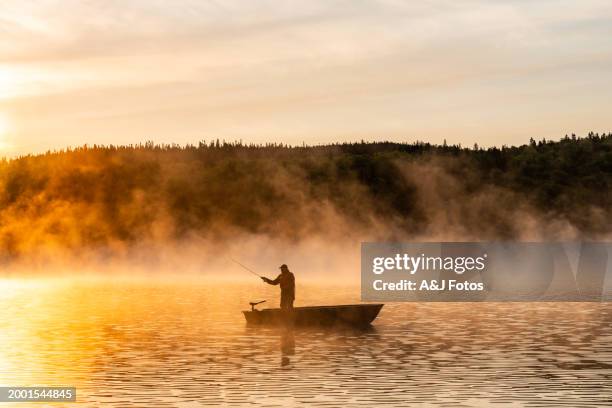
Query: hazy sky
x,y
314,71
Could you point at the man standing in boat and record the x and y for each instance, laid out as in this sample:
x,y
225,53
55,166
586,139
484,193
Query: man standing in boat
x,y
287,286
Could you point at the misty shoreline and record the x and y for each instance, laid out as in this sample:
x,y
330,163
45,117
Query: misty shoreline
x,y
109,200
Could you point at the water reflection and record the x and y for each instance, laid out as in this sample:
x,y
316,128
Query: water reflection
x,y
185,344
287,345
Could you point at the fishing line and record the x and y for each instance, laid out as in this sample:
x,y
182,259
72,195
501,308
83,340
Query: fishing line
x,y
250,270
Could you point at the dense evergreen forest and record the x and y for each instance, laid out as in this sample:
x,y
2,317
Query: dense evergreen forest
x,y
92,197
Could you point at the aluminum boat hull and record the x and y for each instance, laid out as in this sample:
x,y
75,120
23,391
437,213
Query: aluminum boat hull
x,y
352,315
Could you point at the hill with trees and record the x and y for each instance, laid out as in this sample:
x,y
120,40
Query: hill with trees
x,y
109,196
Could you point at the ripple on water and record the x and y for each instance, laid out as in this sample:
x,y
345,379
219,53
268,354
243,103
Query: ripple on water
x,y
186,345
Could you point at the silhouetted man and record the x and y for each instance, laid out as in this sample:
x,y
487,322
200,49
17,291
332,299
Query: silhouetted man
x,y
287,286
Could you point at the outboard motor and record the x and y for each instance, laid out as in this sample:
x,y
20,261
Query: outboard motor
x,y
253,304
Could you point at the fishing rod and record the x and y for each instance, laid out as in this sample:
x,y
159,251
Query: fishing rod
x,y
253,272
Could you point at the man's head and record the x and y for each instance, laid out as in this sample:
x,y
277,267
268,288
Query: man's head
x,y
284,268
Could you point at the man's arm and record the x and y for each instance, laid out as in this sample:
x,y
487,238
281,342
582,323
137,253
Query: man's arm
x,y
272,282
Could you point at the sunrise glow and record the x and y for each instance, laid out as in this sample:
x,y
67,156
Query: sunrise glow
x,y
4,129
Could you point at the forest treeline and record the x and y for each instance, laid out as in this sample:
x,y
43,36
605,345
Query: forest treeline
x,y
117,196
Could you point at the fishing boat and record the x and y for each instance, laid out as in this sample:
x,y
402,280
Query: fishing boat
x,y
351,315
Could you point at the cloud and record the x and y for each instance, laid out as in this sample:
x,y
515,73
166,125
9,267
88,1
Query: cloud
x,y
293,71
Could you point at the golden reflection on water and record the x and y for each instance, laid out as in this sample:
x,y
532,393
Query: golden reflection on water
x,y
37,330
183,343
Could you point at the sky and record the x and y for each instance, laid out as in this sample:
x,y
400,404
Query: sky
x,y
313,71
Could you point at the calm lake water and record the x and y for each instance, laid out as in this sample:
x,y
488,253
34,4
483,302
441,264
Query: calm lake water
x,y
183,343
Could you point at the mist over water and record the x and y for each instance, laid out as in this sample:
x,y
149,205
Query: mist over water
x,y
117,275
170,208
